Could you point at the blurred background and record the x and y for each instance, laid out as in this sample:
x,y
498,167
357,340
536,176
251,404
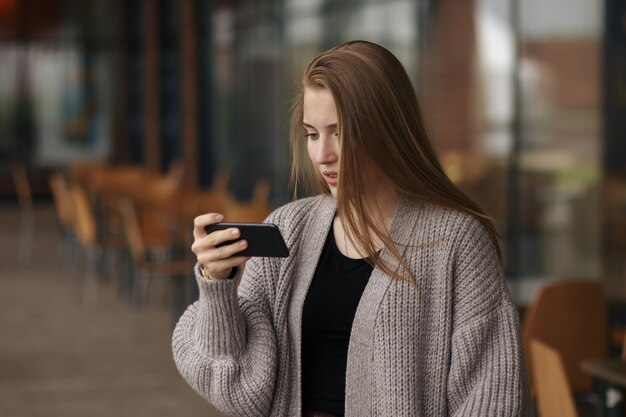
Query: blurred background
x,y
120,120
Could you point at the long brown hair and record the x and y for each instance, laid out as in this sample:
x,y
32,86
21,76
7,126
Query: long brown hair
x,y
379,121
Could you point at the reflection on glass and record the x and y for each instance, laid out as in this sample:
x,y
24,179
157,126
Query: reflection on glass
x,y
560,166
71,104
55,89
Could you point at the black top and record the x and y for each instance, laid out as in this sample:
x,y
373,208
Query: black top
x,y
327,316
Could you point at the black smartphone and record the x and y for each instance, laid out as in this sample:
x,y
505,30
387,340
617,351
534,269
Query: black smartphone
x,y
264,239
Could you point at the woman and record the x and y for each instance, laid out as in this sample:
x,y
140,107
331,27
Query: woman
x,y
392,301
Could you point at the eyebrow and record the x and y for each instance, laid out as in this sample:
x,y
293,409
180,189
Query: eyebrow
x,y
330,126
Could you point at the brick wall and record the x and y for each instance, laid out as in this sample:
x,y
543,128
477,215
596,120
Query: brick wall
x,y
447,85
574,66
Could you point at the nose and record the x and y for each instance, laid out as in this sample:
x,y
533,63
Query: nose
x,y
326,150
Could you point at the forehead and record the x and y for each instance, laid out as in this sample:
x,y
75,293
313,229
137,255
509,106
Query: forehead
x,y
318,107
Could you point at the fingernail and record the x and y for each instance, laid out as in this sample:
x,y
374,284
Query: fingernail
x,y
243,243
218,217
234,232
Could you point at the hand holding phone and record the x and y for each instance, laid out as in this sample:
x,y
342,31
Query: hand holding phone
x,y
264,239
220,247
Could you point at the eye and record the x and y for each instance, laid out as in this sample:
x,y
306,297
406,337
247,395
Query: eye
x,y
311,135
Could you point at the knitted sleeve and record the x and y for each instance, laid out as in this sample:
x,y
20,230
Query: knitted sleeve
x,y
487,372
224,344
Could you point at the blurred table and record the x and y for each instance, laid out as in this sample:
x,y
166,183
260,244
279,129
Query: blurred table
x,y
611,370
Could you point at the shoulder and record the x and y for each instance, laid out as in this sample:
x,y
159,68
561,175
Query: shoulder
x,y
466,236
437,223
459,238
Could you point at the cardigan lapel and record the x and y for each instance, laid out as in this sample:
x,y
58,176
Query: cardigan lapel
x,y
360,350
314,235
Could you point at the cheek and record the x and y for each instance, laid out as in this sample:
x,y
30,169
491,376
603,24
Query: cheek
x,y
337,147
310,147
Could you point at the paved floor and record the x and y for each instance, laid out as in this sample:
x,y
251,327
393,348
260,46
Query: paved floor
x,y
59,357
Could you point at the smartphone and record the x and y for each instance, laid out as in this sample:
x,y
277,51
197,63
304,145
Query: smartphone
x,y
264,239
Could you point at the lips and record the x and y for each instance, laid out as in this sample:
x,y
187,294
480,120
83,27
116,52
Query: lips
x,y
330,177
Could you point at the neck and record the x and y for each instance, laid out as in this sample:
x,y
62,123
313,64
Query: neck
x,y
384,205
381,209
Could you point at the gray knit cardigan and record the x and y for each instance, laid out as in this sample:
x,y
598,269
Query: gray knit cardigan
x,y
450,349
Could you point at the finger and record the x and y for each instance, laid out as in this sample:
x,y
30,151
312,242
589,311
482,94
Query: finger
x,y
223,252
214,239
222,236
202,221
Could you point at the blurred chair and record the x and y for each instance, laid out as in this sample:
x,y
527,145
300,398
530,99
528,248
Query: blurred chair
x,y
188,203
85,173
159,188
256,210
158,194
571,317
216,198
552,389
94,243
65,212
148,262
176,173
116,178
27,213
105,187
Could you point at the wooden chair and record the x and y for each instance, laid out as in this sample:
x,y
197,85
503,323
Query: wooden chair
x,y
152,205
256,210
246,212
94,243
552,389
64,207
216,198
27,213
62,200
148,262
188,203
570,317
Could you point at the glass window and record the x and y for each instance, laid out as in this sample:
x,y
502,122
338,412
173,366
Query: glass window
x,y
60,65
557,110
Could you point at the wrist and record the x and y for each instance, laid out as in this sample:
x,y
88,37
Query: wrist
x,y
232,274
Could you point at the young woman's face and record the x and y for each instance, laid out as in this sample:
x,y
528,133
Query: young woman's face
x,y
320,123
